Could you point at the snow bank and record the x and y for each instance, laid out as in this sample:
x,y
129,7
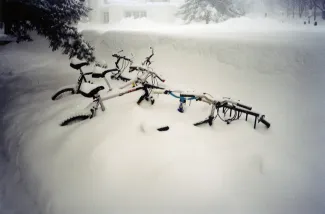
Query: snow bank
x,y
6,38
110,165
245,24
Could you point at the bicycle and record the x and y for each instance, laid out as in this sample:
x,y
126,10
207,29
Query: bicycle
x,y
92,91
73,89
99,71
147,62
125,63
226,103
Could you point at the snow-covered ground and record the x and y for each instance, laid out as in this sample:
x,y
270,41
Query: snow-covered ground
x,y
109,165
249,24
6,38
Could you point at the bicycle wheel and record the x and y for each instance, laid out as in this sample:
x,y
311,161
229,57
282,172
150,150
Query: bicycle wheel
x,y
75,119
62,93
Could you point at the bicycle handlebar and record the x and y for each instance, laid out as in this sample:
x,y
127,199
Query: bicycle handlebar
x,y
209,100
244,106
121,57
154,74
266,123
162,80
224,102
147,60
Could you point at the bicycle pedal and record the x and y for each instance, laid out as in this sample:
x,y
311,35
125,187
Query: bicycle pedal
x,y
181,110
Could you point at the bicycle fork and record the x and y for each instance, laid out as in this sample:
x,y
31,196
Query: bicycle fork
x,y
210,119
109,85
146,96
97,101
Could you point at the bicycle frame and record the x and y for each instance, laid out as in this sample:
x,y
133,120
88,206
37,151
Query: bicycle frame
x,y
125,63
81,78
98,101
142,80
74,88
147,62
224,103
182,100
227,103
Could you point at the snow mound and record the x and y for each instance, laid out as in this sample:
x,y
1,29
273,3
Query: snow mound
x,y
245,24
132,23
6,38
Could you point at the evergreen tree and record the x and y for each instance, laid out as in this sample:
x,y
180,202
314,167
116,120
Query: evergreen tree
x,y
196,10
53,19
208,10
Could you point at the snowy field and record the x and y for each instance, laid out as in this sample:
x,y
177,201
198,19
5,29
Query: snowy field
x,y
109,165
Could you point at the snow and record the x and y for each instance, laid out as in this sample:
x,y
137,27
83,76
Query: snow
x,y
88,87
6,38
76,61
117,163
249,24
99,70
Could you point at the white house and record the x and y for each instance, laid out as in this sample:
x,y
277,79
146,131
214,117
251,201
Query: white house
x,y
110,11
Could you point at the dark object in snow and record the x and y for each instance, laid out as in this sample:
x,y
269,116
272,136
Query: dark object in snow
x,y
54,20
75,119
304,22
315,24
162,129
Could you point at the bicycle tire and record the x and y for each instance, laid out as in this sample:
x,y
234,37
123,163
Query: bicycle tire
x,y
75,119
58,95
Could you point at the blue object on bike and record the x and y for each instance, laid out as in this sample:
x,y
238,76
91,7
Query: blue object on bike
x,y
180,108
182,100
178,97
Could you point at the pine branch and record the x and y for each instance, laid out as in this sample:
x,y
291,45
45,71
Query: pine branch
x,y
52,19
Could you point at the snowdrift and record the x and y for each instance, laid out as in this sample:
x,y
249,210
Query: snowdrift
x,y
110,165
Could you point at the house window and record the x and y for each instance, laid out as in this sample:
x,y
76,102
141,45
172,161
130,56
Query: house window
x,y
106,17
135,14
142,14
128,14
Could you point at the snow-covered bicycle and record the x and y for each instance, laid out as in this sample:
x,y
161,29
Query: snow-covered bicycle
x,y
126,62
99,71
141,82
146,63
73,89
228,105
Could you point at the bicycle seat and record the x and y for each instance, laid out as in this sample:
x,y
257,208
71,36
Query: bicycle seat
x,y
77,63
136,68
90,90
100,72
